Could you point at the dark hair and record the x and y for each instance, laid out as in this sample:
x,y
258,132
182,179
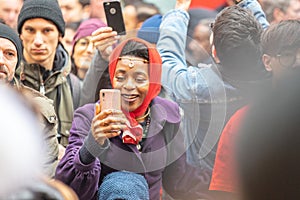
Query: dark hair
x,y
84,2
237,37
74,26
2,21
145,10
134,48
280,36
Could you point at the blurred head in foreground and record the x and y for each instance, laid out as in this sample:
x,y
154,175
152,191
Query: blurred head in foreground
x,y
20,142
268,148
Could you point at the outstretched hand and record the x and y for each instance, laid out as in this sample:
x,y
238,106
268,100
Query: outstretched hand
x,y
183,4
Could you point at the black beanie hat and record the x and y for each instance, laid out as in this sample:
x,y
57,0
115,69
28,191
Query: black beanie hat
x,y
10,34
46,9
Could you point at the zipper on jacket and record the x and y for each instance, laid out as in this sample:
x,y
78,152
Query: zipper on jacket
x,y
42,86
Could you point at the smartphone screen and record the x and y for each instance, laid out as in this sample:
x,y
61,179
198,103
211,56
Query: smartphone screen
x,y
110,99
114,16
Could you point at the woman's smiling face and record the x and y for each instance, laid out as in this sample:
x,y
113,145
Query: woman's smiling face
x,y
132,79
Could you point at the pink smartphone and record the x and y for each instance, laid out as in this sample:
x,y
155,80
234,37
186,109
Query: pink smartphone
x,y
110,99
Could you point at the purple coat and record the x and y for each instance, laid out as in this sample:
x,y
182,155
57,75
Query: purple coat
x,y
162,160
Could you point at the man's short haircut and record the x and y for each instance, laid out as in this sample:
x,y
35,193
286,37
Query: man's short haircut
x,y
280,36
236,36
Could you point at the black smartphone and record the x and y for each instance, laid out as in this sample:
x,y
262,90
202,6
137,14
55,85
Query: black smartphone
x,y
114,16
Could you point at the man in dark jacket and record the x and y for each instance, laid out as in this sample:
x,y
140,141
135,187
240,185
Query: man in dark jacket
x,y
46,66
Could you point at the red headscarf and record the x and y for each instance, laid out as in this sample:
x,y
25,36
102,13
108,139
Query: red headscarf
x,y
155,68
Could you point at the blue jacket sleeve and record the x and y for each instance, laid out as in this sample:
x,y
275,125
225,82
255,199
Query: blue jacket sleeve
x,y
183,83
256,9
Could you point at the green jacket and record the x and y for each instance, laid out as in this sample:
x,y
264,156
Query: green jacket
x,y
56,85
48,121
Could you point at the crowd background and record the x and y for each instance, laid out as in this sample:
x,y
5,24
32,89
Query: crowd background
x,y
219,74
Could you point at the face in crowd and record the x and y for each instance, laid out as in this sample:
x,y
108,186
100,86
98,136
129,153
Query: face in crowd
x,y
132,79
83,53
281,48
9,11
72,10
40,38
8,59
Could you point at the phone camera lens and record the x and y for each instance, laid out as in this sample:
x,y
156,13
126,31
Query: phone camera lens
x,y
112,11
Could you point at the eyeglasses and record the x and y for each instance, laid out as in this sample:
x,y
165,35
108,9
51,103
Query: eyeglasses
x,y
131,62
84,42
288,59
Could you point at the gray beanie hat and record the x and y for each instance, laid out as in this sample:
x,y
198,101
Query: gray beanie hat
x,y
10,34
46,9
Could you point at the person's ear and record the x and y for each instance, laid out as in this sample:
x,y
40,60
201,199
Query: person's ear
x,y
214,54
267,62
60,38
21,37
86,12
278,15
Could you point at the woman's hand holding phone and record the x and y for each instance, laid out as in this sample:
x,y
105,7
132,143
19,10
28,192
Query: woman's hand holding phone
x,y
109,119
107,123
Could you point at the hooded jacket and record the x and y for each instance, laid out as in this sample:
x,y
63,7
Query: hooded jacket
x,y
56,85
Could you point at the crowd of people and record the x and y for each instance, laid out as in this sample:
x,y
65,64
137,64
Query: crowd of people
x,y
209,100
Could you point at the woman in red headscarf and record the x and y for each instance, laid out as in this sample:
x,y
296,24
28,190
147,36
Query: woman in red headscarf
x,y
143,137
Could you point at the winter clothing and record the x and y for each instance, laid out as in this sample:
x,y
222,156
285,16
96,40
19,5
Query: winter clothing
x,y
8,33
224,176
154,84
49,126
46,9
159,157
162,160
86,28
149,30
56,85
207,96
124,185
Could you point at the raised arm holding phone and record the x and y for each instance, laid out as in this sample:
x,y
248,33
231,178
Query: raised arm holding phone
x,y
143,137
210,94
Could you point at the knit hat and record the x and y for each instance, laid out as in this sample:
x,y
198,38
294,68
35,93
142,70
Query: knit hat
x,y
46,9
124,185
10,34
86,28
149,30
